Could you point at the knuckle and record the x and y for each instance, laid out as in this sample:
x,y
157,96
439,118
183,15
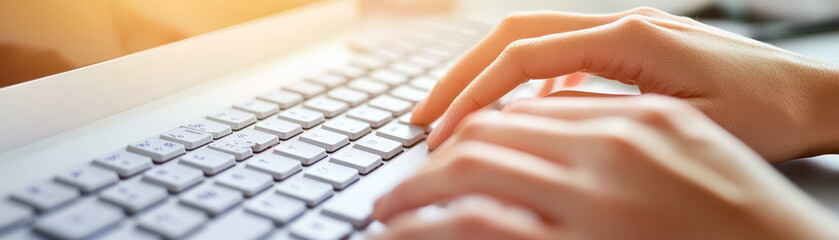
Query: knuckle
x,y
515,19
465,160
634,22
471,222
517,106
471,126
619,134
517,48
647,11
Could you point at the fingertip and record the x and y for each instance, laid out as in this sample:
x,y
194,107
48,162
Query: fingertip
x,y
378,208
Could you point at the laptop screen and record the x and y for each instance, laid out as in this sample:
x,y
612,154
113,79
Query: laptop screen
x,y
39,38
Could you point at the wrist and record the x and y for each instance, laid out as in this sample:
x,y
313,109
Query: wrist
x,y
822,107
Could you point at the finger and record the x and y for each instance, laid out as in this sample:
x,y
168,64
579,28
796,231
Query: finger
x,y
573,93
557,55
480,168
512,28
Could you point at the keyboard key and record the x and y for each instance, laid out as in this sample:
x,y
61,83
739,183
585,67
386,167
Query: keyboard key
x,y
310,191
280,167
408,135
285,99
353,129
14,215
158,149
394,105
127,230
408,69
368,62
327,106
368,86
190,138
209,160
320,227
175,177
423,83
172,221
248,181
363,162
239,149
349,96
80,220
409,94
308,90
348,71
211,199
303,152
259,108
134,196
327,79
406,118
88,178
236,225
282,128
423,61
348,211
236,119
388,77
373,116
277,207
217,130
339,176
45,195
305,117
124,163
385,148
257,140
325,139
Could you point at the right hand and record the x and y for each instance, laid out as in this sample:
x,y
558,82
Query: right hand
x,y
780,103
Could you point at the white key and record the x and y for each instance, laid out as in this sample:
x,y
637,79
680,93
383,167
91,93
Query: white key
x,y
409,94
282,128
190,138
368,86
339,176
123,162
354,129
358,216
80,220
327,79
211,199
158,149
175,177
438,73
373,116
316,226
45,195
327,106
285,99
127,230
394,105
325,139
308,90
362,161
236,225
277,207
239,149
13,215
172,221
350,72
280,167
257,140
88,178
305,117
209,160
368,62
310,191
388,77
423,61
259,108
217,130
134,196
349,96
408,135
423,83
406,118
248,181
409,69
236,119
303,152
382,146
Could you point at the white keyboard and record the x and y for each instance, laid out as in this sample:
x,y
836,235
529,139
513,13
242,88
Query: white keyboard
x,y
267,168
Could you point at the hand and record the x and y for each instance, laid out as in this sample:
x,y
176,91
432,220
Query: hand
x,y
647,167
781,104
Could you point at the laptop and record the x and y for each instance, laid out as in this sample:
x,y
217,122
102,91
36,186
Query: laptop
x,y
285,127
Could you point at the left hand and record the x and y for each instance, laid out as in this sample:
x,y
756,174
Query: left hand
x,y
646,167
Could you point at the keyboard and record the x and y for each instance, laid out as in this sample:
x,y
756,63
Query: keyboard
x,y
273,167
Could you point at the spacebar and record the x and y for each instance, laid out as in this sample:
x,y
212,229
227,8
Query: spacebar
x,y
356,205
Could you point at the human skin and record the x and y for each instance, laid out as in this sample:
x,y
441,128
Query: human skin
x,y
781,104
640,167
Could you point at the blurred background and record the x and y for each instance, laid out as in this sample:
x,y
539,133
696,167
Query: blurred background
x,y
43,37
